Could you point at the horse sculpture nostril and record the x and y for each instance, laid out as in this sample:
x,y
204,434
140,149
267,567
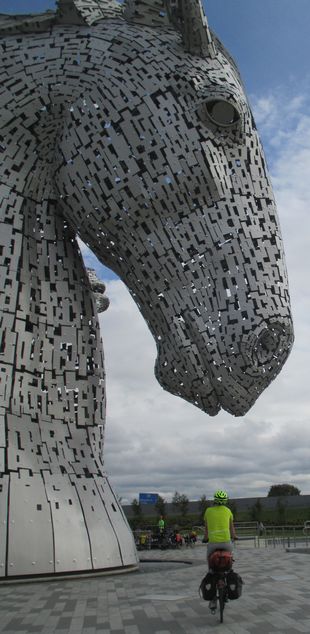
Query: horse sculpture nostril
x,y
267,346
272,344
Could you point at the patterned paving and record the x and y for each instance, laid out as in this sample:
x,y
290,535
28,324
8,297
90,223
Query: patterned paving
x,y
162,598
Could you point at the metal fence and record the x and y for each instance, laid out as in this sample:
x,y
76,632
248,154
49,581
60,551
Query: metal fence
x,y
286,536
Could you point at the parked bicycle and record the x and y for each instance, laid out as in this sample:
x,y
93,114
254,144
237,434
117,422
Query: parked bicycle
x,y
221,584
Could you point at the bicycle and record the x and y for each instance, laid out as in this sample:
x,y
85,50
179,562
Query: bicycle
x,y
221,583
220,562
221,594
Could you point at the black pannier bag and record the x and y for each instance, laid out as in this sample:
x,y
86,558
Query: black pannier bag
x,y
207,588
234,585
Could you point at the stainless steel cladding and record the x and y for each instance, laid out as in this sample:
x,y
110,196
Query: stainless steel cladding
x,y
129,127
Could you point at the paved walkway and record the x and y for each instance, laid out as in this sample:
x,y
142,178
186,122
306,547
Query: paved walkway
x,y
162,598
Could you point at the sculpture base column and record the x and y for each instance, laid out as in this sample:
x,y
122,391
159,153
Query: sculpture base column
x,y
58,514
62,524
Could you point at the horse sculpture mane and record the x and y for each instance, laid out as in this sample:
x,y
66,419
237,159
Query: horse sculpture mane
x,y
129,127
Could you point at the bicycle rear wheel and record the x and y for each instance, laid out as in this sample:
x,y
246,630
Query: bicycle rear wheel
x,y
222,596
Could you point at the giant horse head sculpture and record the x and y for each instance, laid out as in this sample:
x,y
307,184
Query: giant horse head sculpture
x,y
147,141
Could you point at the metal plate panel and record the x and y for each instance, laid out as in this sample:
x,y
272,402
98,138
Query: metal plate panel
x,y
104,544
72,551
30,529
118,521
4,485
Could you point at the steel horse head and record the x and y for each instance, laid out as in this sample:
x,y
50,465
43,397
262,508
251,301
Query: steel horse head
x,y
176,199
158,167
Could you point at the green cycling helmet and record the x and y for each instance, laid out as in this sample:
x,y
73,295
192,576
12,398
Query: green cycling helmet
x,y
220,497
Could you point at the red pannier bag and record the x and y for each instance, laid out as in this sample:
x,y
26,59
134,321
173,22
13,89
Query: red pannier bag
x,y
221,560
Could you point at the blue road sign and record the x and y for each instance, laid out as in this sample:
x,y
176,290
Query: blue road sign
x,y
148,498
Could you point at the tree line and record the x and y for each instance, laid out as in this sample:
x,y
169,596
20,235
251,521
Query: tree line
x,y
180,503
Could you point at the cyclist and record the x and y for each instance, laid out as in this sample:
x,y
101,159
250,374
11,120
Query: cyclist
x,y
219,524
219,533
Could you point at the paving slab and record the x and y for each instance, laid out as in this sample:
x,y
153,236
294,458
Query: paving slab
x,y
162,597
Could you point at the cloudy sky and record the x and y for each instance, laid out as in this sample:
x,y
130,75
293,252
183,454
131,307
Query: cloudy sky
x,y
156,442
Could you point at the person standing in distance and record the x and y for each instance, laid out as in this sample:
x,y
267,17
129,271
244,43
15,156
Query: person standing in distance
x,y
161,524
219,524
161,529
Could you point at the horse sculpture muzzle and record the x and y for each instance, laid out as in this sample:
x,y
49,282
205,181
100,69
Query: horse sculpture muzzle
x,y
223,365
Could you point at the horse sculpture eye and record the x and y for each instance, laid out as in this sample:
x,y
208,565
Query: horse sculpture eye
x,y
222,112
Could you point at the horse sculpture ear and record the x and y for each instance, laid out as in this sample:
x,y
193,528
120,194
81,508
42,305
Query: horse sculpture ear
x,y
86,11
148,12
186,16
189,18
